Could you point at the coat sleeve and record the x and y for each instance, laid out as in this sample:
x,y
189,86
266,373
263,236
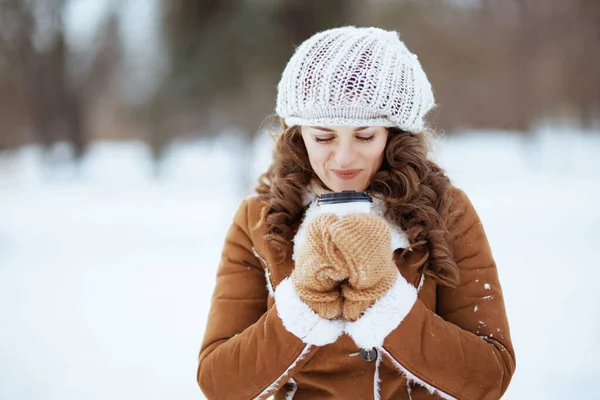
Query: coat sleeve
x,y
249,351
464,350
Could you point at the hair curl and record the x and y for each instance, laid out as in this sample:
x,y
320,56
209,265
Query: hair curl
x,y
414,189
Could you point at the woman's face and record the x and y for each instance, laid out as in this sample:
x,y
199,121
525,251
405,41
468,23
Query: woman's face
x,y
345,157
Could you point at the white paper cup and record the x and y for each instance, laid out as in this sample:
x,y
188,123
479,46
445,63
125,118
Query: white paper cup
x,y
346,202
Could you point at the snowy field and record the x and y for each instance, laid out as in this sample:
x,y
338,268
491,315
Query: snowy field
x,y
106,272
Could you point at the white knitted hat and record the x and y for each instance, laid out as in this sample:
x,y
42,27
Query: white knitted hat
x,y
354,77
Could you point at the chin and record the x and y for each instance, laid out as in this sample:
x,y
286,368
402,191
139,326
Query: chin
x,y
341,186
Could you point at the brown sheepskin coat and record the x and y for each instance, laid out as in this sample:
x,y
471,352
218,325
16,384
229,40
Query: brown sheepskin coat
x,y
422,341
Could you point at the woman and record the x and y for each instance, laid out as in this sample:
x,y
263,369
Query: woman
x,y
400,303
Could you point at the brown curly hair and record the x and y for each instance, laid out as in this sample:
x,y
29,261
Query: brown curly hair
x,y
413,188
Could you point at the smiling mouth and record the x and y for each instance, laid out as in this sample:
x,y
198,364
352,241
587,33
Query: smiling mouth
x,y
346,174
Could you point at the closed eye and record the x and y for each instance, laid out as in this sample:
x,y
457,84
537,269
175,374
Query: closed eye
x,y
365,139
330,139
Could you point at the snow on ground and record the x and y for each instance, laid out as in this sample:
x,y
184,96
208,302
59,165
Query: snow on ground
x,y
106,272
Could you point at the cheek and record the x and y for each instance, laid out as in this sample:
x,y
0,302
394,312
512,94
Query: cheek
x,y
375,156
318,156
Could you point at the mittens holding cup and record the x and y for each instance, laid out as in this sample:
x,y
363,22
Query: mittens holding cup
x,y
344,262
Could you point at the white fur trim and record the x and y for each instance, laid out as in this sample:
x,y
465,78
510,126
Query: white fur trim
x,y
311,212
269,285
301,320
411,378
308,197
399,238
376,379
260,258
277,382
290,395
384,316
267,273
421,281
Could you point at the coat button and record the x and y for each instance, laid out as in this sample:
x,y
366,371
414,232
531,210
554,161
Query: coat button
x,y
368,354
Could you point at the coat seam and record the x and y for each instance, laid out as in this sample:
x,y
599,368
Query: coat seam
x,y
273,385
421,381
376,379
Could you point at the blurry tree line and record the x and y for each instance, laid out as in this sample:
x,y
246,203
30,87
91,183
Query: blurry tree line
x,y
501,64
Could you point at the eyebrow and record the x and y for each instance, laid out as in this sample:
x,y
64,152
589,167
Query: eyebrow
x,y
322,128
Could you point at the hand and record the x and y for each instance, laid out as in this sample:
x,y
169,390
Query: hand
x,y
319,268
365,244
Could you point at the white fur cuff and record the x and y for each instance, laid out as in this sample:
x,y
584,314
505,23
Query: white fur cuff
x,y
384,316
301,320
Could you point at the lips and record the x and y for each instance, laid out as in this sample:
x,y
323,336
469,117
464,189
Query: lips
x,y
346,173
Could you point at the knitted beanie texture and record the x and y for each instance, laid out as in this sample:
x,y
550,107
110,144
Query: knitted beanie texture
x,y
354,76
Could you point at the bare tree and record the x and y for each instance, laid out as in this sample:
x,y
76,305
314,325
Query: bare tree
x,y
39,62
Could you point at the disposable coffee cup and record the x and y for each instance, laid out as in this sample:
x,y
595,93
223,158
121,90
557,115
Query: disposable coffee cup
x,y
345,202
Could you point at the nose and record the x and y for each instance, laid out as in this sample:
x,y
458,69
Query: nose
x,y
345,155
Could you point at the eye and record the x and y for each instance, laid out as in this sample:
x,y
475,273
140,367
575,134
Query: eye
x,y
323,140
365,139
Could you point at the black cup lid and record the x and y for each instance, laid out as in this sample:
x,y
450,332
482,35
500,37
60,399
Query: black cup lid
x,y
346,196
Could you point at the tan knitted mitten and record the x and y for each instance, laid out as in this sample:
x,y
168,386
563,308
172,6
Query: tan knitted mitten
x,y
365,242
319,268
